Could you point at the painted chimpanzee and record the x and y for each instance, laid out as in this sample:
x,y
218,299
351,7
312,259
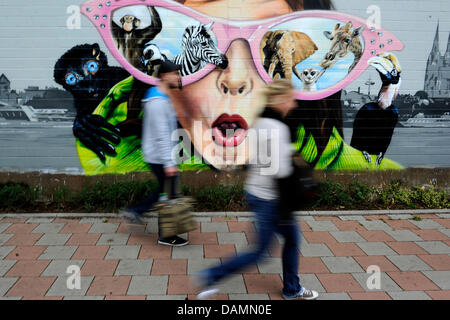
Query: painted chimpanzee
x,y
130,40
84,71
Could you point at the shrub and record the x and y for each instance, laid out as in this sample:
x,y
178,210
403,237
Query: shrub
x,y
219,198
15,195
431,199
359,192
104,197
332,194
111,197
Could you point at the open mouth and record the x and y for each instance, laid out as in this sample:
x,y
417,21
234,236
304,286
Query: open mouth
x,y
229,131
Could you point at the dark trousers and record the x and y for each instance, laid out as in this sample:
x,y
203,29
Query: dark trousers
x,y
164,183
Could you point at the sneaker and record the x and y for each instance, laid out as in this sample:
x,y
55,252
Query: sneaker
x,y
132,216
305,295
175,241
200,282
206,294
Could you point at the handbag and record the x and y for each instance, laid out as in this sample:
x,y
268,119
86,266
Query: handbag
x,y
298,190
175,216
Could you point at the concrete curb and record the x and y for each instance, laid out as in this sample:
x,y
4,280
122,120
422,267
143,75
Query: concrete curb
x,y
231,214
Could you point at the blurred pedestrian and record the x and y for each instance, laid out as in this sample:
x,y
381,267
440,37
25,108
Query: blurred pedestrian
x,y
160,121
263,194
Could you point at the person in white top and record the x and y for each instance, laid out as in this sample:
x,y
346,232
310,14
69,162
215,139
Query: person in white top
x,y
262,187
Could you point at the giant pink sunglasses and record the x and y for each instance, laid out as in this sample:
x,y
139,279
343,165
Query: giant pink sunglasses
x,y
315,49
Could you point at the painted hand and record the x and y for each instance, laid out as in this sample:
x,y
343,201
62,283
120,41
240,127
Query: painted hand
x,y
389,68
90,130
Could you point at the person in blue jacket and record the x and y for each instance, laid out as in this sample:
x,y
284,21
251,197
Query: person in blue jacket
x,y
160,120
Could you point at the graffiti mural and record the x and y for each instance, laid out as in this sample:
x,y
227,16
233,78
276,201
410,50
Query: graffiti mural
x,y
227,56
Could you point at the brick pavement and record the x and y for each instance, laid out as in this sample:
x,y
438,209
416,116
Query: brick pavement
x,y
121,261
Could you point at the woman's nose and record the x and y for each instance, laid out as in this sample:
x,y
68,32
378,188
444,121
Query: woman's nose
x,y
237,79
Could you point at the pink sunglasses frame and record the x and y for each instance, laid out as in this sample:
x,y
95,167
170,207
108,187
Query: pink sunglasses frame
x,y
226,31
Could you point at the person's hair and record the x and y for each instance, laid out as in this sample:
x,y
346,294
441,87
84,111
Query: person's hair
x,y
318,117
297,5
137,93
313,4
273,91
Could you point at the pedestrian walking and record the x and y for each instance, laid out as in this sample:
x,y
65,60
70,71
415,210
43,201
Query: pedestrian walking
x,y
160,121
263,193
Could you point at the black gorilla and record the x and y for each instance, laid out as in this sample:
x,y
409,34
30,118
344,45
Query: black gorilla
x,y
84,72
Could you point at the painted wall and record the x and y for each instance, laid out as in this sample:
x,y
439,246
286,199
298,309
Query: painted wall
x,y
36,113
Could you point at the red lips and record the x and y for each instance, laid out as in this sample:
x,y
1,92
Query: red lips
x,y
229,130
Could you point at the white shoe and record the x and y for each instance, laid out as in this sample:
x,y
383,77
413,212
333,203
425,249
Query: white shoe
x,y
305,295
206,291
205,295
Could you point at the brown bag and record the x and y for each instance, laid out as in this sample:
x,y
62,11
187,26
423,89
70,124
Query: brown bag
x,y
175,216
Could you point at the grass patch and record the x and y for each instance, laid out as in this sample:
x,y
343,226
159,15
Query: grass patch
x,y
103,197
218,198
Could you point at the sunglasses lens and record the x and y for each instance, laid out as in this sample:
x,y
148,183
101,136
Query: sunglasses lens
x,y
315,53
146,36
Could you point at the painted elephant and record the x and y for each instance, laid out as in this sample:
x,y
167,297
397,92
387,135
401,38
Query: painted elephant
x,y
282,50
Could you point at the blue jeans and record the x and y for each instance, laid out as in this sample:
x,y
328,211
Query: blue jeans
x,y
268,222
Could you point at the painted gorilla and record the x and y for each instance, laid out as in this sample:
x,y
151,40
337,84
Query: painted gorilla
x,y
84,72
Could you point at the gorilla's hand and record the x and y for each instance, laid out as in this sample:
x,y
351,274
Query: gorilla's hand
x,y
90,130
389,69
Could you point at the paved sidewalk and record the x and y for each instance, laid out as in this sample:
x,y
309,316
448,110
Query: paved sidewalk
x,y
121,261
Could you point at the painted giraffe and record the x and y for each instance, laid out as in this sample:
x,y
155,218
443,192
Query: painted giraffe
x,y
344,39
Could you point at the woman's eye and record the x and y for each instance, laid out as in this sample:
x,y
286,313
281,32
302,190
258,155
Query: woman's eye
x,y
92,66
71,79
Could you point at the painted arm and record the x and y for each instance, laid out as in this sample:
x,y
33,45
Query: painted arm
x,y
149,33
115,29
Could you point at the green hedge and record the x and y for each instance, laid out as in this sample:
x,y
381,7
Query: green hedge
x,y
102,197
393,196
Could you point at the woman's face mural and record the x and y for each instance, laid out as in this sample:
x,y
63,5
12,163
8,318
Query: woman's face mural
x,y
224,99
228,98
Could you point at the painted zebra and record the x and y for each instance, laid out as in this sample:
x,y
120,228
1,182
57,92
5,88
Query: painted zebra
x,y
198,49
